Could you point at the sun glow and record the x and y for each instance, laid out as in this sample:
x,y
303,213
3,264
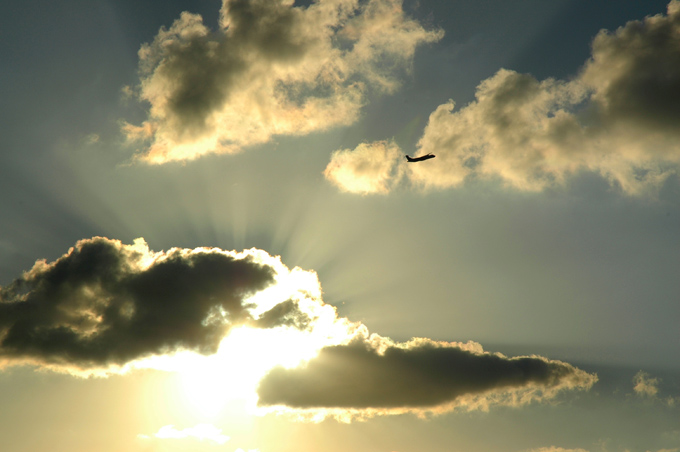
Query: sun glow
x,y
209,383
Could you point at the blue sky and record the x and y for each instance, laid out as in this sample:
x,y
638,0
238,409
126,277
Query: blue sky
x,y
541,244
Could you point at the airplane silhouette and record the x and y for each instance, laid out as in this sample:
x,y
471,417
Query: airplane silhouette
x,y
421,158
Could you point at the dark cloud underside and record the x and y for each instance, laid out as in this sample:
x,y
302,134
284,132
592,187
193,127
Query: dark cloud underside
x,y
425,374
101,304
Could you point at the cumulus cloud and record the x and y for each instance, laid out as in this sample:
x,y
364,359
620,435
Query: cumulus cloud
x,y
373,375
645,385
105,304
271,69
370,168
618,117
108,307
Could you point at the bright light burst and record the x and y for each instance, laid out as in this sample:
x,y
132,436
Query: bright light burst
x,y
243,358
247,353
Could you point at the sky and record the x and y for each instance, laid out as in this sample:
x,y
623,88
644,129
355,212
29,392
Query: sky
x,y
211,240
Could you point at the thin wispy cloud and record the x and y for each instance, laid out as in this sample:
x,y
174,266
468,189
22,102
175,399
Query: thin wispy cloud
x,y
556,449
201,432
271,69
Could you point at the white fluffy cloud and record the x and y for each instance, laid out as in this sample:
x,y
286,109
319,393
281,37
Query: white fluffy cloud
x,y
619,117
370,168
272,69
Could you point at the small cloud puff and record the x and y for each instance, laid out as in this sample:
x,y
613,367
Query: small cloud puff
x,y
201,432
556,449
371,168
645,385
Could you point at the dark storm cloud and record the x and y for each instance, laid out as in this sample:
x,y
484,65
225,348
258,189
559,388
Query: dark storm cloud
x,y
372,373
104,303
619,117
272,69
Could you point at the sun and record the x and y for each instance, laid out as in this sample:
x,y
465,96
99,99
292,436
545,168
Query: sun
x,y
209,383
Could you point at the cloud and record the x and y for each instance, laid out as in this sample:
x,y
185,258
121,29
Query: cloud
x,y
200,432
561,449
107,307
370,168
373,375
618,117
271,69
556,449
105,304
645,385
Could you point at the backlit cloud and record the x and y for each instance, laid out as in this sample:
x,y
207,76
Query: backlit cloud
x,y
373,375
556,449
109,307
201,432
271,69
370,168
105,304
618,118
561,449
645,384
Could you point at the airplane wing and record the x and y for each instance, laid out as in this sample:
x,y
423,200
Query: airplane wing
x,y
421,158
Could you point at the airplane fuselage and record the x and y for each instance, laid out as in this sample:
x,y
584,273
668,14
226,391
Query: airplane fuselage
x,y
421,158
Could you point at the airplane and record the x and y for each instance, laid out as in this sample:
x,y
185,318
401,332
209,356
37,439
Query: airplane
x,y
421,158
